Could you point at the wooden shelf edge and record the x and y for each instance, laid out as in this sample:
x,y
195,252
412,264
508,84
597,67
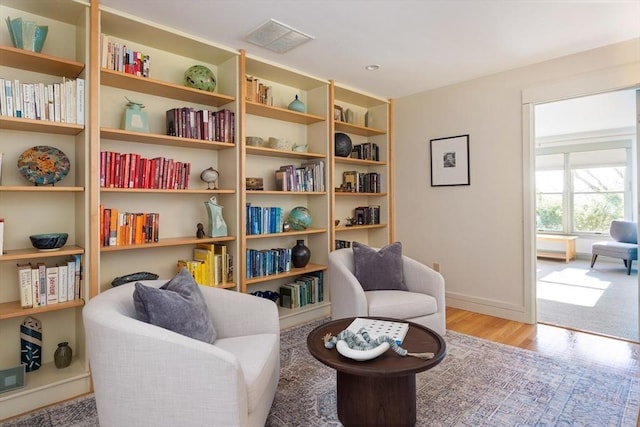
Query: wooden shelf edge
x,y
164,89
359,227
266,151
362,162
159,139
168,242
284,312
41,126
294,272
12,309
354,194
27,253
164,191
286,193
286,233
357,129
39,62
41,188
284,114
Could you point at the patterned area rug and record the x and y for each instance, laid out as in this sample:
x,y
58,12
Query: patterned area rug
x,y
479,383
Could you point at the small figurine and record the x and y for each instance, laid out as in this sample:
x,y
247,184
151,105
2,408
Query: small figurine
x,y
200,233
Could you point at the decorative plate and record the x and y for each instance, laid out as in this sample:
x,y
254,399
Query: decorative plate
x,y
361,355
43,165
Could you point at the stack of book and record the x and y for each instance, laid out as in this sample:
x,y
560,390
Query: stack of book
x,y
366,151
360,182
267,262
118,57
55,102
309,176
212,264
264,220
127,228
258,92
307,289
341,244
130,170
43,285
367,215
207,125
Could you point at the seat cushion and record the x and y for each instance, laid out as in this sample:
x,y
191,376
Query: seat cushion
x,y
615,250
400,304
258,356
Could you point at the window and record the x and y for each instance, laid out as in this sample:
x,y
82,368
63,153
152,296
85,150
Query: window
x,y
581,188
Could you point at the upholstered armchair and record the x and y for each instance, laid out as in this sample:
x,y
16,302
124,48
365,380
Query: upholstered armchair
x,y
423,302
624,244
145,375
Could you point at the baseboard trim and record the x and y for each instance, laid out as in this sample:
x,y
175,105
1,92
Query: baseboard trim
x,y
487,306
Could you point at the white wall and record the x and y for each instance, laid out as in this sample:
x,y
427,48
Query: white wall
x,y
477,233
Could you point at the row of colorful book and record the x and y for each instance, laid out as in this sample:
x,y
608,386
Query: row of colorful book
x,y
131,170
43,284
267,262
361,182
309,176
264,220
306,289
61,102
128,228
118,57
208,125
212,264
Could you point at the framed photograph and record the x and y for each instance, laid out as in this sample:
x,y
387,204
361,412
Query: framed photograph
x,y
450,161
338,113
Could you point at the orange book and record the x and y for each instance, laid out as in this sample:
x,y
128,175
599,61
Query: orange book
x,y
113,227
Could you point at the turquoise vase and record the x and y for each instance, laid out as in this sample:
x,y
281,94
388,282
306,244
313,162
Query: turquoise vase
x,y
297,105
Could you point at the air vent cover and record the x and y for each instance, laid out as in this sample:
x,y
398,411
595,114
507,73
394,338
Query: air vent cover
x,y
277,37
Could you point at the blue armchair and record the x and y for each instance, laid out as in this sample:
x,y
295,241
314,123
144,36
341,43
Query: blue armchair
x,y
624,244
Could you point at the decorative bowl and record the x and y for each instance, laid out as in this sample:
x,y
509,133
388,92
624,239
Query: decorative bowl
x,y
255,141
280,143
49,241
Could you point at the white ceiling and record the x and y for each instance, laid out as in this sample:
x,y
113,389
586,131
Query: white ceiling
x,y
419,44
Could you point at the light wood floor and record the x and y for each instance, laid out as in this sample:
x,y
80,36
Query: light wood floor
x,y
546,339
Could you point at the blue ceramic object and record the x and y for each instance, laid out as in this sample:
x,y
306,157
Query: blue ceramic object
x,y
299,218
49,241
297,105
31,344
44,165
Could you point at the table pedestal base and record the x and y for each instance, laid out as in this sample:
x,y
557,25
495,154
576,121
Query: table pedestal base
x,y
371,401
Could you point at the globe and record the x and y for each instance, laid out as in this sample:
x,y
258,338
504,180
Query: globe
x,y
299,218
343,144
200,77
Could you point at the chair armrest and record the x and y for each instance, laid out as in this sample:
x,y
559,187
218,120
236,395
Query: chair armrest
x,y
237,314
420,278
347,296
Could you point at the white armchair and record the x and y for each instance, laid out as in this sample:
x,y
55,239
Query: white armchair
x,y
145,375
424,303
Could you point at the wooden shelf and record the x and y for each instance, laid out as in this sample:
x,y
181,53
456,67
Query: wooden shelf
x,y
162,89
354,194
278,113
284,312
359,227
294,272
285,193
165,191
41,63
12,309
47,376
287,233
158,139
271,152
42,126
357,129
168,242
41,188
361,162
29,253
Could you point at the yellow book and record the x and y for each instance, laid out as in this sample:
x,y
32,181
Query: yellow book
x,y
206,257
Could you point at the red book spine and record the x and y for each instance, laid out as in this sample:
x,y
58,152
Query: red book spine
x,y
103,172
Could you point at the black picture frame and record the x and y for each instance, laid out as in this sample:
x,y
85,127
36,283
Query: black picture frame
x,y
450,161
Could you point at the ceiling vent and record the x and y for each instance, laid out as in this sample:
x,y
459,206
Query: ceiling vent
x,y
277,37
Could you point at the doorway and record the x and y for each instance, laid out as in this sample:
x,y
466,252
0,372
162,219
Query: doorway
x,y
585,176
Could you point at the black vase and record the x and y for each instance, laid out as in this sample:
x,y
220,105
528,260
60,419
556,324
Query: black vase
x,y
300,254
62,355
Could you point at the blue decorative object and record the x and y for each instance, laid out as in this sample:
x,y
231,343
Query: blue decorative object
x,y
343,144
27,34
200,77
134,118
48,241
43,165
217,225
297,105
31,344
299,218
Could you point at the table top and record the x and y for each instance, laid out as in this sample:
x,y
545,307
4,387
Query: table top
x,y
419,339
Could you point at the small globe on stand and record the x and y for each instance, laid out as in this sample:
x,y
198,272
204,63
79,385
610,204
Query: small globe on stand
x,y
200,77
299,218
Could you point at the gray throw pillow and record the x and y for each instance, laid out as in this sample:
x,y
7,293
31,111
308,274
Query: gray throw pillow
x,y
178,305
379,270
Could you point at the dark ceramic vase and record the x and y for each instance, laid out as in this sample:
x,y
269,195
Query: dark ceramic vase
x,y
62,355
300,254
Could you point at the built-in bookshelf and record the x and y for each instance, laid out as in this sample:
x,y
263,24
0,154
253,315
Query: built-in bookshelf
x,y
361,183
169,105
28,209
270,118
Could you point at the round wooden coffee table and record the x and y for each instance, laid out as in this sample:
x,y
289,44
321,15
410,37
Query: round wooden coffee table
x,y
381,391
